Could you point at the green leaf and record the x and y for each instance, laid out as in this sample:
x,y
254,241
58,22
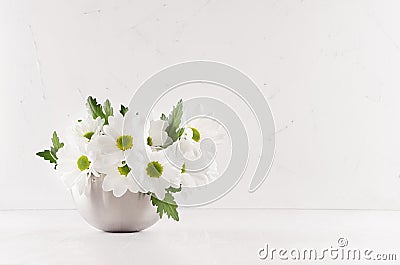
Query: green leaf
x,y
53,152
51,155
180,132
47,155
173,190
163,117
174,120
167,206
123,110
95,108
57,145
108,111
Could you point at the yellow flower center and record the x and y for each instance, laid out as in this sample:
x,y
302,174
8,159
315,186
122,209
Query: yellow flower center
x,y
154,169
125,142
124,170
88,135
83,163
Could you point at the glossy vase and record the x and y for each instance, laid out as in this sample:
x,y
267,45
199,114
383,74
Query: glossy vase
x,y
132,212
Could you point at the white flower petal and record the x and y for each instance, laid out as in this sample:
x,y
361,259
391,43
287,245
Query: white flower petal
x,y
109,182
133,186
171,175
190,149
158,156
104,144
88,125
120,190
188,180
157,132
114,127
133,124
159,191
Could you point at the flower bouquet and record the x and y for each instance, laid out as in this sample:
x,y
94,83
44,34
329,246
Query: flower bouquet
x,y
118,187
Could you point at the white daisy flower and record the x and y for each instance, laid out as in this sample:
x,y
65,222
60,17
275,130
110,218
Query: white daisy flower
x,y
155,174
87,129
158,137
199,166
119,179
117,139
77,164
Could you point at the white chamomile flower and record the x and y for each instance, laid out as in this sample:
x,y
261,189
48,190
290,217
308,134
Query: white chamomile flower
x,y
158,137
77,164
154,175
87,129
198,169
119,179
117,138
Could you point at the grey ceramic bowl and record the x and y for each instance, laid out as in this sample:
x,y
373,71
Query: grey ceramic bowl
x,y
132,212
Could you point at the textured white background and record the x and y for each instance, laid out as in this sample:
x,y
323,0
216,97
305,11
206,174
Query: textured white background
x,y
330,70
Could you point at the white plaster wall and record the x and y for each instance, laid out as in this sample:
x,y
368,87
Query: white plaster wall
x,y
330,70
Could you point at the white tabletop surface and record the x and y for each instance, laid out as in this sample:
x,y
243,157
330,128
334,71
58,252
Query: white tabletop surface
x,y
203,236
